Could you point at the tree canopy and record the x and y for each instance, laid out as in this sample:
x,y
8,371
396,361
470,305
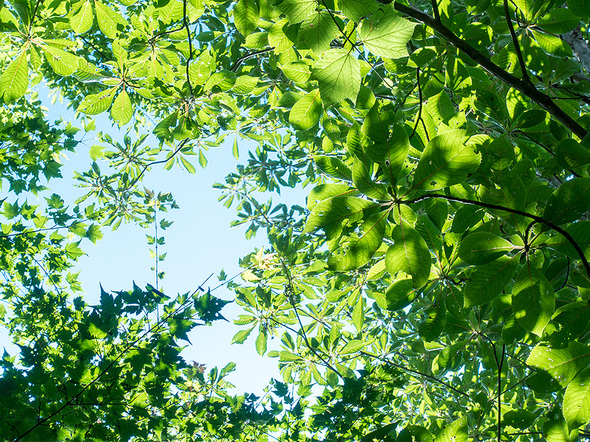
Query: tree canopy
x,y
434,286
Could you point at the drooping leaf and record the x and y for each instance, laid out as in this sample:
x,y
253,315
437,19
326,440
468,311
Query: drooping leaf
x,y
97,103
357,250
386,33
483,247
569,202
391,153
533,300
336,210
334,167
122,110
246,16
339,76
325,191
83,18
109,21
363,181
562,364
487,281
576,401
318,31
306,113
15,79
357,9
62,62
409,253
447,160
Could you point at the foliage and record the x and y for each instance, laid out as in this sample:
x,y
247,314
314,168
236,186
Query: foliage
x,y
434,287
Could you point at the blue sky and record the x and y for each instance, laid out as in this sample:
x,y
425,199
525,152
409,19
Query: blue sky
x,y
198,244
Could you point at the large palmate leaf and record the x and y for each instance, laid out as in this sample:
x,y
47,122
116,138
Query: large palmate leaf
x,y
246,16
409,253
569,202
339,75
359,249
533,300
386,33
447,160
15,79
487,281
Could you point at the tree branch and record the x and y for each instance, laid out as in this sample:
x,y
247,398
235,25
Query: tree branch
x,y
579,46
536,218
529,90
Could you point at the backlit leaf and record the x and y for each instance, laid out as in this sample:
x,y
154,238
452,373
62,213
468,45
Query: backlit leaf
x,y
339,75
409,253
386,33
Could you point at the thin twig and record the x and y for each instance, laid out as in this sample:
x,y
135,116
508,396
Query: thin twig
x,y
523,70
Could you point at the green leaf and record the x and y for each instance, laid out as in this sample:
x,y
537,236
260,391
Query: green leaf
x,y
390,154
558,21
533,300
352,346
83,18
306,113
434,322
581,8
97,103
409,253
483,247
339,75
358,315
576,401
122,109
455,432
298,10
331,213
361,176
62,63
318,31
261,341
325,191
334,167
447,160
487,281
242,335
246,16
398,295
93,233
73,251
562,364
357,250
109,21
357,9
569,202
15,79
386,34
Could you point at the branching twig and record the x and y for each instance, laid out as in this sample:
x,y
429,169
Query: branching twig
x,y
525,75
529,90
536,218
